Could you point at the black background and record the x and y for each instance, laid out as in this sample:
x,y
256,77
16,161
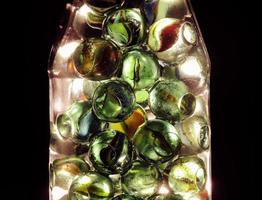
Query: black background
x,y
231,36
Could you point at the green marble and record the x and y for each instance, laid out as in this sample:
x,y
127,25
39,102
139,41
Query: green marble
x,y
111,152
78,123
113,101
96,59
157,141
142,180
171,100
187,175
91,186
125,27
140,69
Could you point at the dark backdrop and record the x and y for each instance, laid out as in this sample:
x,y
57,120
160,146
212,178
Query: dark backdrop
x,y
231,37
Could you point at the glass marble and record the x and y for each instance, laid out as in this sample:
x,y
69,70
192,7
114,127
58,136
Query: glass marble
x,y
196,130
158,9
131,124
111,152
140,69
171,100
91,186
64,171
142,180
86,17
113,101
96,59
59,145
104,5
78,122
125,27
187,175
171,39
157,141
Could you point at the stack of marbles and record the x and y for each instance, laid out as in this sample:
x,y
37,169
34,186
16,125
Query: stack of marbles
x,y
129,92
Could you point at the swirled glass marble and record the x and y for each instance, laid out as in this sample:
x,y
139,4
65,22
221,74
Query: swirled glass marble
x,y
140,69
171,100
125,27
64,171
113,101
187,175
91,57
129,103
91,186
171,38
78,122
141,180
157,141
196,131
111,152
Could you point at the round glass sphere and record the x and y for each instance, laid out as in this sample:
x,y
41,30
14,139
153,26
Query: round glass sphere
x,y
157,141
125,27
111,152
96,59
140,69
141,180
187,175
113,101
78,123
171,100
91,186
64,171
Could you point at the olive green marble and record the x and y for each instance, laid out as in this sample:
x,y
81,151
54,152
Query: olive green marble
x,y
187,175
113,101
157,141
64,171
111,152
140,69
125,27
96,59
91,186
171,100
142,180
78,123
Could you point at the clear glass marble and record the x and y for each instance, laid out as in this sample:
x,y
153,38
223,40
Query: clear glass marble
x,y
129,103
